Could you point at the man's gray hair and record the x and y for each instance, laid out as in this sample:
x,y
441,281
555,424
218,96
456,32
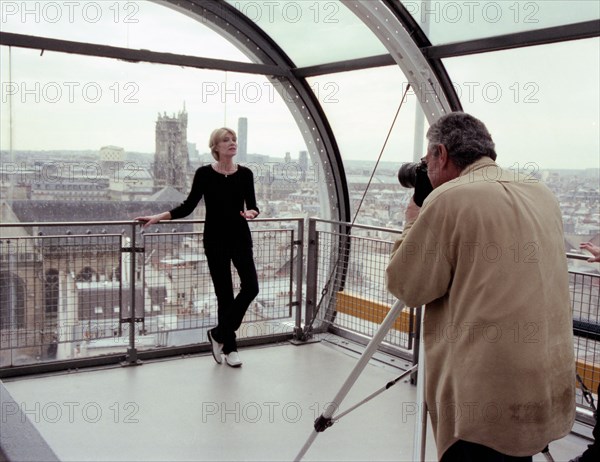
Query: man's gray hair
x,y
466,138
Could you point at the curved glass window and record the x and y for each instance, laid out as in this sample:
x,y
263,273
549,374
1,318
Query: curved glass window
x,y
361,106
314,32
447,22
131,24
79,102
543,113
62,109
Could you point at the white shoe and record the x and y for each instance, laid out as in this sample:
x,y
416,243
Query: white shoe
x,y
217,348
233,359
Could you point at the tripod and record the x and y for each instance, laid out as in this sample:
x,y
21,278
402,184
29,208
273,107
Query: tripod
x,y
326,419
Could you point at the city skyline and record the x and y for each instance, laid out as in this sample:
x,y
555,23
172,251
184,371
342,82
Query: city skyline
x,y
205,156
539,110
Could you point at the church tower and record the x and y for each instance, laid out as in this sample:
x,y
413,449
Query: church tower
x,y
171,159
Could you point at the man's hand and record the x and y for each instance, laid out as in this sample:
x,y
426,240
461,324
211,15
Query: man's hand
x,y
412,212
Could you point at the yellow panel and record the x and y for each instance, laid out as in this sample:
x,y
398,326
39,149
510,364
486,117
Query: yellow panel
x,y
359,307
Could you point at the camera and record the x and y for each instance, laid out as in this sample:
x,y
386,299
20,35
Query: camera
x,y
407,175
414,175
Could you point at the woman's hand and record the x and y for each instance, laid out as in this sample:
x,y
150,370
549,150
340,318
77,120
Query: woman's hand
x,y
249,214
153,219
593,249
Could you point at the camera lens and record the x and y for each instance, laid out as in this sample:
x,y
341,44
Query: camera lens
x,y
407,174
414,175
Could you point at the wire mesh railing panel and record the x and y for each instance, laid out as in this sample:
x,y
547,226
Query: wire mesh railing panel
x,y
74,290
275,257
179,294
351,295
351,286
175,272
59,294
585,299
177,285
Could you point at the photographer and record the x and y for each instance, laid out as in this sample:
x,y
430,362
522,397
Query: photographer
x,y
485,254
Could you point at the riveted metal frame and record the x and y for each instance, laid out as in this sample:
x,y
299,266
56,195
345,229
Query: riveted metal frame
x,y
294,90
385,23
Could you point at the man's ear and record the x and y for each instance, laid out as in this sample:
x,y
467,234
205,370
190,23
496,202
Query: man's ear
x,y
442,155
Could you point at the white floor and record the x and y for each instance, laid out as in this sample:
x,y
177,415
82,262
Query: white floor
x,y
192,409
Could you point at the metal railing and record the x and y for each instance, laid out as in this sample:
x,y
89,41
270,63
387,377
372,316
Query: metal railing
x,y
584,285
346,295
79,290
346,291
84,290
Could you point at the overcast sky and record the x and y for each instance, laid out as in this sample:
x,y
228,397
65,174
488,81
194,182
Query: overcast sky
x,y
541,104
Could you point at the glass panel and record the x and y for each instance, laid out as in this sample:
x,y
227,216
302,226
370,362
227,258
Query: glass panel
x,y
130,24
542,107
447,22
543,113
63,110
313,32
360,107
79,136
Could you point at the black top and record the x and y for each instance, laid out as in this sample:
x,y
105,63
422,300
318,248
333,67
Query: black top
x,y
224,198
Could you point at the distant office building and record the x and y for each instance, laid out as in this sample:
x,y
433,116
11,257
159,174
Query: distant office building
x,y
112,154
171,159
303,164
242,136
80,188
112,161
132,183
193,151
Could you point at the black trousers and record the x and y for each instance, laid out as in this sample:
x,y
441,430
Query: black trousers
x,y
463,451
231,309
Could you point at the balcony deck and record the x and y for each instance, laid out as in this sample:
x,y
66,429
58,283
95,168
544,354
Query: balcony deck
x,y
191,409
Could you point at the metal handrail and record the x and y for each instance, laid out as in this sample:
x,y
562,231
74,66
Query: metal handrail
x,y
134,246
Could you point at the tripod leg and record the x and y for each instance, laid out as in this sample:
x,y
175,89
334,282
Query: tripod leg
x,y
325,420
547,455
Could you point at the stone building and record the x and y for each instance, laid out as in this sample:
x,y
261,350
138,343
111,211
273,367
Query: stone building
x,y
60,282
171,158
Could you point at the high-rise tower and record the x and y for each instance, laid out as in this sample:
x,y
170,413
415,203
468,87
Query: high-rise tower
x,y
303,161
242,136
171,159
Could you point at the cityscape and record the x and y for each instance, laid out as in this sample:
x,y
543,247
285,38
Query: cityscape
x,y
69,288
285,187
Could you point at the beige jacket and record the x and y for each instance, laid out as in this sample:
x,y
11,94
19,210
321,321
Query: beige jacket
x,y
486,255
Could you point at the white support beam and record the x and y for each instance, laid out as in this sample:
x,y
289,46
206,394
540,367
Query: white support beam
x,y
388,29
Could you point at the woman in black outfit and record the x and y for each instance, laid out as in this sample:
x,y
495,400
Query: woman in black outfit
x,y
226,188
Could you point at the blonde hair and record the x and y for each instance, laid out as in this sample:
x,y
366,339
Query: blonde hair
x,y
216,137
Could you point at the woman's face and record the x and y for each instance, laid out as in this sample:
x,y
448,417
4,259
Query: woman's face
x,y
227,147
